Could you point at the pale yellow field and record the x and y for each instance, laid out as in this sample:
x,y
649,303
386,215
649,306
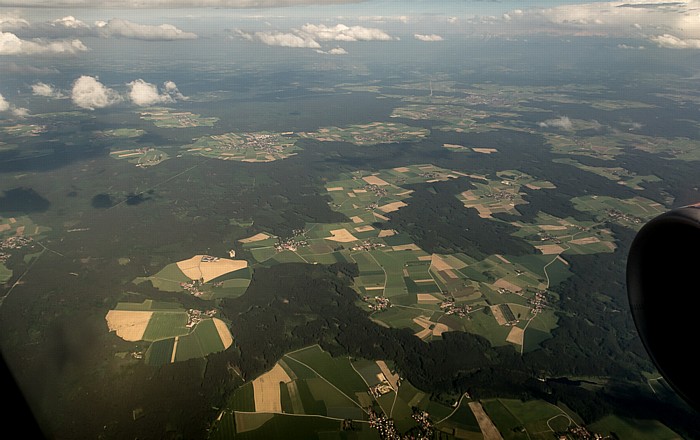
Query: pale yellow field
x,y
426,298
386,233
587,240
423,334
516,336
4,227
381,217
502,258
374,180
498,315
425,258
456,146
194,268
128,324
267,390
391,207
485,150
488,429
438,263
172,357
374,288
562,260
364,228
341,235
351,194
224,332
439,329
450,273
406,247
356,219
505,284
393,379
359,191
335,188
402,169
550,249
552,227
20,230
257,237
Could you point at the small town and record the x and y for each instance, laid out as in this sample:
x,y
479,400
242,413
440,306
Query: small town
x,y
381,303
450,308
614,214
368,246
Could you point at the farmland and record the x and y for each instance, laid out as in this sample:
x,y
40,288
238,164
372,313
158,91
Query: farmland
x,y
175,334
368,134
632,213
245,147
309,384
141,157
534,419
618,175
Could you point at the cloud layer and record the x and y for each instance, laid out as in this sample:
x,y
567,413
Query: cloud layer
x,y
310,34
126,29
145,4
11,44
144,94
429,37
563,123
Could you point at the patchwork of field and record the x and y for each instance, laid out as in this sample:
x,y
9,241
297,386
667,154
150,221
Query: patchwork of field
x,y
616,174
553,235
168,118
245,147
599,147
458,118
174,333
534,419
633,428
203,277
16,233
309,382
501,195
368,134
141,157
677,148
633,212
122,133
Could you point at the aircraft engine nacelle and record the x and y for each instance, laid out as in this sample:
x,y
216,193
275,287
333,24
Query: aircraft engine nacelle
x,y
663,285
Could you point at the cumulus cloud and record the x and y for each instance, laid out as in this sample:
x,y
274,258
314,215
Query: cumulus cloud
x,y
118,27
628,47
563,123
89,93
16,111
46,90
334,51
11,44
673,42
11,22
341,32
626,18
145,4
69,22
286,39
430,37
143,93
4,105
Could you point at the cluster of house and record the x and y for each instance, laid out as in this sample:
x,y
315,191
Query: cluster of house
x,y
614,214
450,308
538,301
581,433
195,316
387,429
380,303
368,246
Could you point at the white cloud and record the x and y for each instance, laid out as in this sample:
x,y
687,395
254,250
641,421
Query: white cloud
x,y
143,94
563,123
69,22
25,69
608,18
628,47
334,51
11,44
430,37
673,42
6,106
341,32
89,93
117,27
11,22
145,4
286,39
452,20
47,90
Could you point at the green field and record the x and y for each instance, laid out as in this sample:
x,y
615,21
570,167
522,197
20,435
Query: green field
x,y
632,213
625,428
368,134
160,352
516,419
167,279
165,325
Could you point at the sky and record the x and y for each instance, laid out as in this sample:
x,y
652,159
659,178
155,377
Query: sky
x,y
34,31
